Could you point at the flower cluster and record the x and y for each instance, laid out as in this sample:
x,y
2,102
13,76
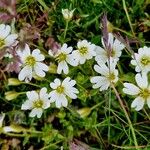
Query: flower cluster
x,y
38,101
66,55
32,63
107,59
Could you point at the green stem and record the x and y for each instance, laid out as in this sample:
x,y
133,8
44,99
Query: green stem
x,y
127,116
32,84
48,146
109,107
66,28
123,31
125,9
95,106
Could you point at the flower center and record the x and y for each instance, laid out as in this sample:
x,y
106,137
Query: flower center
x,y
38,104
112,53
30,60
61,57
111,76
60,89
145,93
83,50
145,60
2,42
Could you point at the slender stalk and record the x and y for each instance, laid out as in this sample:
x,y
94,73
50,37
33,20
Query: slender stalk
x,y
146,114
48,146
32,84
95,106
125,9
109,107
127,116
66,28
123,31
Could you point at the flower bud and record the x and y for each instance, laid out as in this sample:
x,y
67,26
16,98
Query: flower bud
x,y
52,68
12,128
11,95
110,27
67,14
84,112
14,81
37,77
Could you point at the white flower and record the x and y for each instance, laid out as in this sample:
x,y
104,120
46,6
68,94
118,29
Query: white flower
x,y
62,90
31,64
115,49
67,14
141,60
141,91
6,38
108,74
63,57
36,102
85,51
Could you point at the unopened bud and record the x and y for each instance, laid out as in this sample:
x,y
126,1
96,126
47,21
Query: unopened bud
x,y
12,128
14,81
110,27
67,14
11,95
52,68
37,77
84,112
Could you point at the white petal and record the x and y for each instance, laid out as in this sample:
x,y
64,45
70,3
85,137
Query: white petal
x,y
32,95
40,111
64,101
138,103
134,62
141,80
26,105
55,84
52,96
46,104
43,93
37,54
68,82
148,102
36,111
103,69
62,66
25,73
4,31
100,82
70,59
65,49
10,39
33,112
131,89
61,101
58,101
40,69
71,94
26,51
118,46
